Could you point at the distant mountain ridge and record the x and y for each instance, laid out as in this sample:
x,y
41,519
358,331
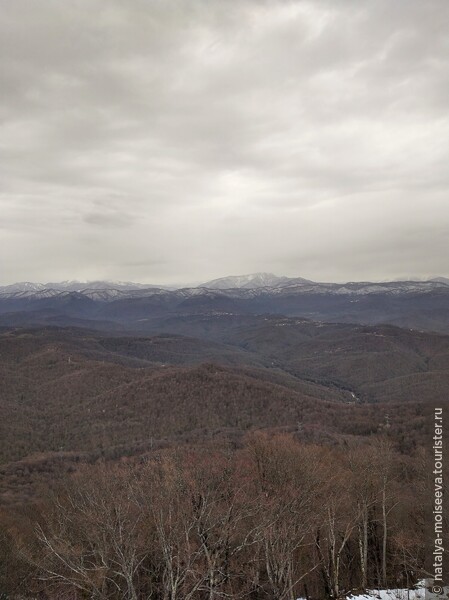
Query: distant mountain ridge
x,y
244,286
74,286
136,307
251,281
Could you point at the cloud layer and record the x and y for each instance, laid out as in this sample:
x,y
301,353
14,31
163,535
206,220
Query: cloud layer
x,y
180,140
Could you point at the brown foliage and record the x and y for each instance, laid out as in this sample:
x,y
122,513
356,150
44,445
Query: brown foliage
x,y
277,518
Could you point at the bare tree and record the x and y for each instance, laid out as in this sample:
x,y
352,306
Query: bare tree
x,y
288,475
90,538
171,511
385,462
341,516
363,485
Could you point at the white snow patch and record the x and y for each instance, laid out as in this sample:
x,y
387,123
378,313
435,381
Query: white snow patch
x,y
418,593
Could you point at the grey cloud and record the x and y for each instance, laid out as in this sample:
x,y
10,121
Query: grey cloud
x,y
108,219
295,136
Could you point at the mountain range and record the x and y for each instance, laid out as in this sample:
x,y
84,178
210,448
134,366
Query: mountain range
x,y
72,390
137,307
108,370
251,281
72,286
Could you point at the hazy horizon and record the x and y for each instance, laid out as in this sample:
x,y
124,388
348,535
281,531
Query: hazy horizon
x,y
168,142
206,280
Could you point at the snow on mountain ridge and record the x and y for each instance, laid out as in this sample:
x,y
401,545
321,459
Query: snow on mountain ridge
x,y
251,281
75,286
255,284
22,286
79,286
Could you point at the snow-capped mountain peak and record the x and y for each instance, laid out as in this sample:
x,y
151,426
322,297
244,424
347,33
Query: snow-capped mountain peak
x,y
251,281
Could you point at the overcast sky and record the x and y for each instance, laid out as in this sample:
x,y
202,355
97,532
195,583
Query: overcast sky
x,y
169,141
